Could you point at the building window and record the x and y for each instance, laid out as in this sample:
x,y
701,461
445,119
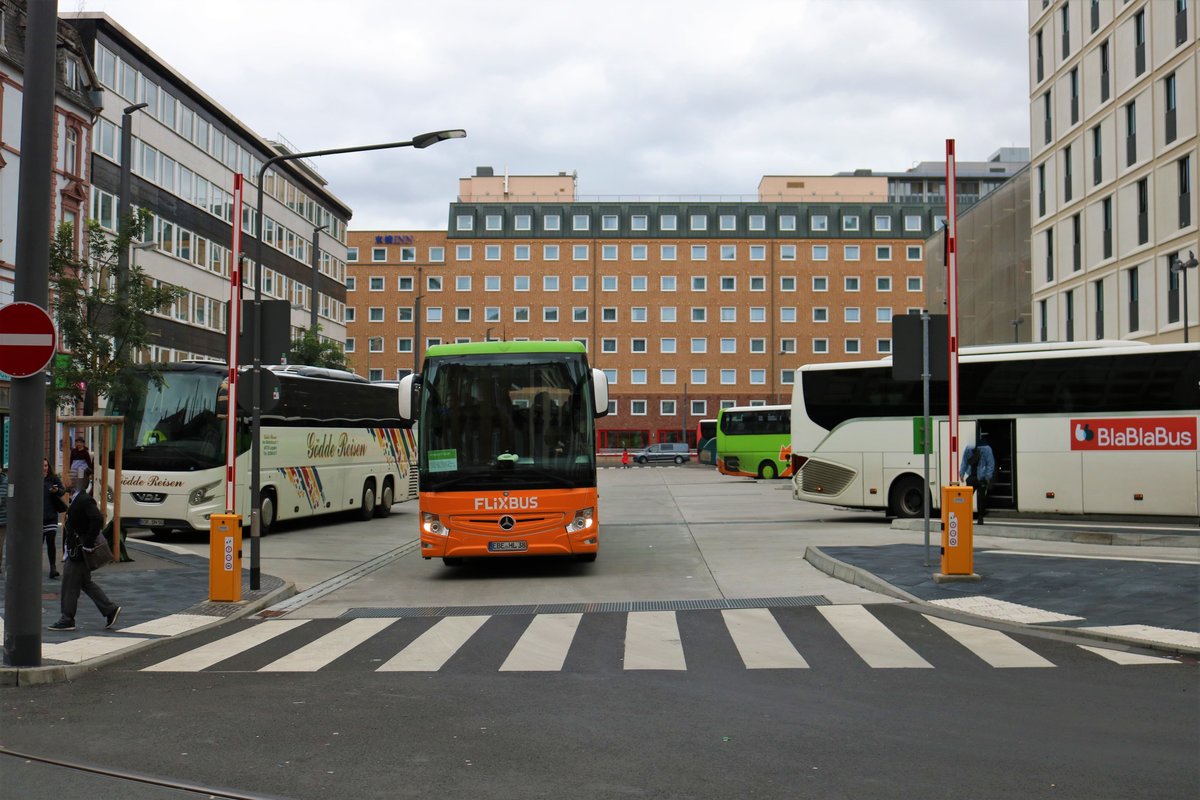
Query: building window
x,y
850,222
820,314
667,283
913,252
668,222
820,252
579,283
375,283
639,222
608,222
666,377
699,283
1097,153
728,283
787,222
818,222
608,345
699,314
728,345
666,345
493,222
820,345
698,222
1131,133
580,222
375,314
666,314
608,314
1105,76
378,254
820,283
883,252
462,314
699,252
727,222
787,283
1170,105
491,252
851,252
914,283
728,377
666,408
579,252
787,252
1134,321
852,283
699,377
549,283
853,346
1185,191
699,344
579,314
1139,42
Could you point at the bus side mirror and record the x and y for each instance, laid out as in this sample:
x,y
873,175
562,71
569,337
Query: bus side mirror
x,y
599,393
406,397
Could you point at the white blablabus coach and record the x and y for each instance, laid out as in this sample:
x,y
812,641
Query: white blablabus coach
x,y
330,442
1076,428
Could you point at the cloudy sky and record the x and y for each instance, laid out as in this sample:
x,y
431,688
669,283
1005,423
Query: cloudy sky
x,y
640,98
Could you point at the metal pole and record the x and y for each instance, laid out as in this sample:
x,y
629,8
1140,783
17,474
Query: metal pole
x,y
1185,308
125,186
421,141
316,265
416,328
22,591
952,297
925,423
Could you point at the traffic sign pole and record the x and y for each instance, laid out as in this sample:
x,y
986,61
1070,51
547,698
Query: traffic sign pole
x,y
23,589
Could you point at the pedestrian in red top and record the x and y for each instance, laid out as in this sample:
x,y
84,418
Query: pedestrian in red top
x,y
625,459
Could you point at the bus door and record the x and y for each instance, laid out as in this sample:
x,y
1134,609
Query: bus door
x,y
1002,438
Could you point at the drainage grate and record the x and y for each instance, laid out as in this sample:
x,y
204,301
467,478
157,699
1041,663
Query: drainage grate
x,y
590,608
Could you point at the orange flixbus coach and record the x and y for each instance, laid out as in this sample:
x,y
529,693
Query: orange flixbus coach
x,y
506,449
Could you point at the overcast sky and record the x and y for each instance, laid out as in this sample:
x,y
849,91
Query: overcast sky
x,y
649,98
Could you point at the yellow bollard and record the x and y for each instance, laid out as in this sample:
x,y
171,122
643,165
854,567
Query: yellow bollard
x,y
958,531
225,558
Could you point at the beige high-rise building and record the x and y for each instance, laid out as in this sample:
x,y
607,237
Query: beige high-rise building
x,y
1113,116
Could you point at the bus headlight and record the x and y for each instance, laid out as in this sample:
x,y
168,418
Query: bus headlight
x,y
432,523
202,494
581,521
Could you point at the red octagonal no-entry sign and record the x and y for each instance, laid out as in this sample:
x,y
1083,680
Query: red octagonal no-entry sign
x,y
26,339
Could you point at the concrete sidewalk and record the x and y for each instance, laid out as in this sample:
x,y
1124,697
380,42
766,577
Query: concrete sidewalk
x,y
1086,584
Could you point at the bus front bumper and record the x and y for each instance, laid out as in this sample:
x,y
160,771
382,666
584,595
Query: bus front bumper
x,y
543,534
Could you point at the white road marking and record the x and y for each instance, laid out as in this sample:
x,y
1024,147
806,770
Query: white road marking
x,y
652,641
871,639
994,647
1125,659
215,652
544,644
760,641
332,645
433,648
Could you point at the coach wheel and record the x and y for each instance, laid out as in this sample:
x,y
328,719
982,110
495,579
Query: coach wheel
x,y
266,513
768,470
585,558
678,459
386,498
908,497
452,562
367,509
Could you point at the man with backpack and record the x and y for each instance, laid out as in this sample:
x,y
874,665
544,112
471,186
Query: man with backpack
x,y
977,470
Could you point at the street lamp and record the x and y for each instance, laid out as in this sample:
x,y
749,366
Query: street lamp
x,y
420,142
1183,266
316,264
125,186
417,324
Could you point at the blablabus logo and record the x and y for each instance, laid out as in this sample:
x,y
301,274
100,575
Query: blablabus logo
x,y
1134,433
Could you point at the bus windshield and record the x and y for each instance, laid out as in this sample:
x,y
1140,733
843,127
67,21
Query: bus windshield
x,y
522,420
175,426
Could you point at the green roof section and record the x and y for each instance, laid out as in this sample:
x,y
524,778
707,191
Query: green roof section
x,y
486,348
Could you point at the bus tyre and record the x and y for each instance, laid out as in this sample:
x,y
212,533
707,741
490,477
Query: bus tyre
x,y
585,558
367,509
768,470
386,498
907,500
266,513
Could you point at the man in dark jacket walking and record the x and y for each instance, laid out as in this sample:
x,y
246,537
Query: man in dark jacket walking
x,y
82,528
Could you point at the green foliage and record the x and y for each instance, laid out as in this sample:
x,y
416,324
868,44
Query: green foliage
x,y
102,321
313,351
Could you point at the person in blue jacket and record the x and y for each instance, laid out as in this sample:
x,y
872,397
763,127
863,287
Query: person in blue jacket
x,y
977,470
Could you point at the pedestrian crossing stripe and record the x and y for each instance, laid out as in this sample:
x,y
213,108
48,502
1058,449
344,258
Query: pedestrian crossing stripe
x,y
652,642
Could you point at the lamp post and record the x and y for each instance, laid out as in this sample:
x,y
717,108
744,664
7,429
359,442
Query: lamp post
x,y
419,142
1183,267
417,324
125,186
316,264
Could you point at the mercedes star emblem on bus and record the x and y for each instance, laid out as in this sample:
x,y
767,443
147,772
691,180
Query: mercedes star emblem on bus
x,y
507,523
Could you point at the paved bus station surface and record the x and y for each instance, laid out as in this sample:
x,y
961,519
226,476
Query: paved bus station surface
x,y
668,534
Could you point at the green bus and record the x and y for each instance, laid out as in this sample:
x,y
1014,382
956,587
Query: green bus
x,y
755,441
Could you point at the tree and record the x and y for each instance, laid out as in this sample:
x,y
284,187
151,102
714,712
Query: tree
x,y
313,351
102,319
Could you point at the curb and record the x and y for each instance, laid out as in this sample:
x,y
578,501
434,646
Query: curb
x,y
867,580
55,673
1004,531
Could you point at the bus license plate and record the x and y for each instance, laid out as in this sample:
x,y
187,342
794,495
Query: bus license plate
x,y
150,523
508,546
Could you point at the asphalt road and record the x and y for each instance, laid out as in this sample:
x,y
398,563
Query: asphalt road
x,y
1077,726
